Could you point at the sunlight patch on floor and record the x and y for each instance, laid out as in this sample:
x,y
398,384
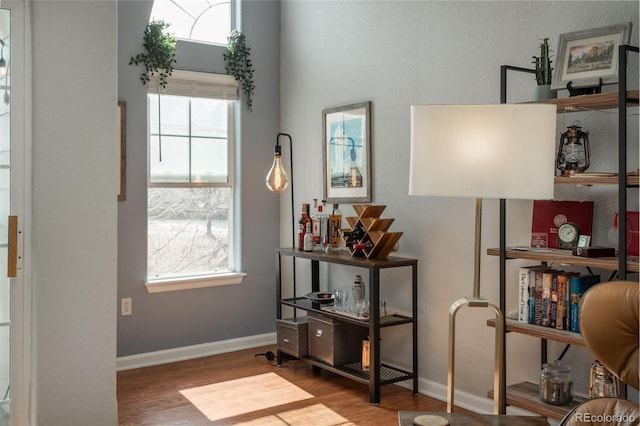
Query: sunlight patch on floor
x,y
241,396
316,415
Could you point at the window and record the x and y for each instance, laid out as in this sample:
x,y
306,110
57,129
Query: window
x,y
190,194
196,20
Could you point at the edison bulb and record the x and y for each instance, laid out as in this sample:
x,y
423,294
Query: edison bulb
x,y
277,178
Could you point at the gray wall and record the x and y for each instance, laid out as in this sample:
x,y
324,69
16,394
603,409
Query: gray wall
x,y
74,212
183,318
396,54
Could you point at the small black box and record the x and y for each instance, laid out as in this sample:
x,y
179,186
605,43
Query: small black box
x,y
595,251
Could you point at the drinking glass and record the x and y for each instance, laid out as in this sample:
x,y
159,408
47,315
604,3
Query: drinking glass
x,y
340,299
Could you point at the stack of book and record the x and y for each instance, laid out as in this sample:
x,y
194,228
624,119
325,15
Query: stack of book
x,y
551,298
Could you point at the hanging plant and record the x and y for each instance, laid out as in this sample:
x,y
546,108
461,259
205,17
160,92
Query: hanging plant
x,y
160,52
239,65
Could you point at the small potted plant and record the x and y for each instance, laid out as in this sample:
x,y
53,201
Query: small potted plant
x,y
543,73
239,65
159,55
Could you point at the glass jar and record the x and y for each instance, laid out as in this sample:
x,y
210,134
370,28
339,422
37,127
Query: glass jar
x,y
602,384
556,383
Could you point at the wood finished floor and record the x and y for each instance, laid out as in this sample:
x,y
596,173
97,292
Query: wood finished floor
x,y
293,394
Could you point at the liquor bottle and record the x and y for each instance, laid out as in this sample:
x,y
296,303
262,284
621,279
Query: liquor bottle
x,y
323,218
308,238
366,354
302,225
335,224
315,222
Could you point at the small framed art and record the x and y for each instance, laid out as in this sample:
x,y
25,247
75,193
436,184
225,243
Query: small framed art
x,y
587,58
346,136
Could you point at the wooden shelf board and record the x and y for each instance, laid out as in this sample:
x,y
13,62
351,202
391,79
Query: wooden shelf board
x,y
591,102
525,395
563,336
565,257
595,179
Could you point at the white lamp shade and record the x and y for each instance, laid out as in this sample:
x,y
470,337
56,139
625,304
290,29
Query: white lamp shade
x,y
483,151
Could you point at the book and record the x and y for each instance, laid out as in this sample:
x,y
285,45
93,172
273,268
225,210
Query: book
x,y
578,284
563,301
553,301
526,292
547,282
537,291
523,293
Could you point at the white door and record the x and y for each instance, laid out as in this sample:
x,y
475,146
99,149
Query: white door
x,y
14,295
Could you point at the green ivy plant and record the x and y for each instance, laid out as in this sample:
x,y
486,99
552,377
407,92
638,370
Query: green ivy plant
x,y
160,52
543,64
239,65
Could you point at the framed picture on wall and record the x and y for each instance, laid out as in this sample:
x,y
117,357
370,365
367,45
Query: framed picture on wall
x,y
586,58
346,135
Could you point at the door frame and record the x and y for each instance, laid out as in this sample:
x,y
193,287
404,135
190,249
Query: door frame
x,y
21,314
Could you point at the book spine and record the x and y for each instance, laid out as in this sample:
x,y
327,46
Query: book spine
x,y
547,279
553,308
561,318
532,297
574,289
538,298
523,295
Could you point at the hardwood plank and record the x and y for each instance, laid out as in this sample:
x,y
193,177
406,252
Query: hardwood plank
x,y
157,395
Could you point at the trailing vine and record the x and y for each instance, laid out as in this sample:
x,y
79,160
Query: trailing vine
x,y
239,65
160,52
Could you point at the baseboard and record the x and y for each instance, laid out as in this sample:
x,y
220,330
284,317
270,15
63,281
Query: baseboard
x,y
195,351
463,399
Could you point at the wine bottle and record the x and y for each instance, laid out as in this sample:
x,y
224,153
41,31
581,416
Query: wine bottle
x,y
302,225
354,235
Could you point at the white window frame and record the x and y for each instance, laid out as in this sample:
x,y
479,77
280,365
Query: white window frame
x,y
232,19
196,84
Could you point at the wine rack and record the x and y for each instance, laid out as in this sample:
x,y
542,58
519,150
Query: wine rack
x,y
377,241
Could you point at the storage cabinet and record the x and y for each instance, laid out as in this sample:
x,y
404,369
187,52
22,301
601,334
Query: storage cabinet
x,y
336,355
525,395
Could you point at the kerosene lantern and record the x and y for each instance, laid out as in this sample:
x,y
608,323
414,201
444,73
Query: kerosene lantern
x,y
573,151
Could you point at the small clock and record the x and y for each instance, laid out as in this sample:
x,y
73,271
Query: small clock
x,y
568,234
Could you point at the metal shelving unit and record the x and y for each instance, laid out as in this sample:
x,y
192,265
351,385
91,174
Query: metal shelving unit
x,y
379,374
524,395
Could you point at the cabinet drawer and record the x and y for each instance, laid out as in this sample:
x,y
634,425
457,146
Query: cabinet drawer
x,y
334,342
292,336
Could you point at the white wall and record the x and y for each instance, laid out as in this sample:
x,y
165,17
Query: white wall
x,y
396,54
74,211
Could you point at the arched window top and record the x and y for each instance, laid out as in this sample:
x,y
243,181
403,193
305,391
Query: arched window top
x,y
206,21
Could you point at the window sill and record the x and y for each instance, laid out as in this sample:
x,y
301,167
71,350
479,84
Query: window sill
x,y
160,286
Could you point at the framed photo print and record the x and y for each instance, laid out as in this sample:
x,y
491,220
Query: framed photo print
x,y
588,56
346,135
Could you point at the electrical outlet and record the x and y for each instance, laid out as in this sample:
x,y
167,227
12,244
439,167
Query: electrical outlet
x,y
125,306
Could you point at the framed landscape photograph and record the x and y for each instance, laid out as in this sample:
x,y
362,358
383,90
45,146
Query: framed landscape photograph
x,y
346,135
588,56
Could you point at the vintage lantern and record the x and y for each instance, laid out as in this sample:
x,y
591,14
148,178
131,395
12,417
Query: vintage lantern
x,y
573,151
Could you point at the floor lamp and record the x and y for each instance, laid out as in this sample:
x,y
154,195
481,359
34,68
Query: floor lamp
x,y
277,180
482,151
